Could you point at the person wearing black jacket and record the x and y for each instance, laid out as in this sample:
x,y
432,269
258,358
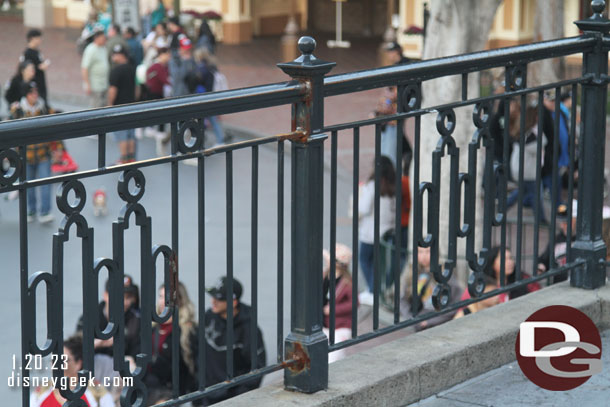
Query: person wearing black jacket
x,y
216,342
131,303
32,53
25,74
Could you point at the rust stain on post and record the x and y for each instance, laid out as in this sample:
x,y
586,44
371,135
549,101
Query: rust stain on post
x,y
299,360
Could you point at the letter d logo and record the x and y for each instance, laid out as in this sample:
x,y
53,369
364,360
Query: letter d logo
x,y
527,337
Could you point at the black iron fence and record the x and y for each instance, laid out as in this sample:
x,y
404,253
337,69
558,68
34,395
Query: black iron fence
x,y
303,354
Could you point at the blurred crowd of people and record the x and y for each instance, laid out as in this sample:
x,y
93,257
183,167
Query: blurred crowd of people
x,y
119,66
158,377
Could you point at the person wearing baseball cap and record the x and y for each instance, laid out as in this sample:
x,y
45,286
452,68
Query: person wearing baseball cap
x,y
216,341
183,67
131,308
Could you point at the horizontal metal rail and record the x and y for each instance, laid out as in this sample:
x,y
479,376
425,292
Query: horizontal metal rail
x,y
453,105
148,162
65,126
226,384
454,65
453,307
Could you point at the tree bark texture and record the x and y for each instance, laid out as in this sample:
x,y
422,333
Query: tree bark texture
x,y
548,25
455,27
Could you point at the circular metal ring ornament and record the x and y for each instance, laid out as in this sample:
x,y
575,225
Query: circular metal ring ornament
x,y
411,97
196,139
476,284
441,296
481,114
516,77
123,186
135,395
9,176
63,197
445,122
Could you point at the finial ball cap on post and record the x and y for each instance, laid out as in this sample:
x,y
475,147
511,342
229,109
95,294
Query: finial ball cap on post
x,y
307,45
597,22
598,6
307,65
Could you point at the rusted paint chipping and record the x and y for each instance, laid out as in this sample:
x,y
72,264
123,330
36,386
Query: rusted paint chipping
x,y
298,360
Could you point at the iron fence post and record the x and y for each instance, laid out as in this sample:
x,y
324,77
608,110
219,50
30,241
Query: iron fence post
x,y
589,244
306,344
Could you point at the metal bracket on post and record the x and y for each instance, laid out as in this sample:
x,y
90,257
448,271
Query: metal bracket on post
x,y
589,244
306,344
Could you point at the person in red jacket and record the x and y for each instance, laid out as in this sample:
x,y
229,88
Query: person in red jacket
x,y
343,297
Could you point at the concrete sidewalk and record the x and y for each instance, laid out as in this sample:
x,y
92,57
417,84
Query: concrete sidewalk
x,y
507,387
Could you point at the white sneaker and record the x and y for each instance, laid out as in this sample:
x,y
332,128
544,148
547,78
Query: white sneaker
x,y
46,218
191,161
31,217
139,133
366,298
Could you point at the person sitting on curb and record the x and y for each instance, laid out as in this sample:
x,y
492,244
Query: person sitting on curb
x,y
216,342
343,297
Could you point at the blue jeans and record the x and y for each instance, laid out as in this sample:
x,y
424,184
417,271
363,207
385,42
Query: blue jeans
x,y
366,264
40,170
529,197
220,138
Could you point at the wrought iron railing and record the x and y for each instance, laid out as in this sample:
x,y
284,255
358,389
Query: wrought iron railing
x,y
304,353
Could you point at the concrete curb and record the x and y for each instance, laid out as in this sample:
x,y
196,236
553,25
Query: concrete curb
x,y
420,365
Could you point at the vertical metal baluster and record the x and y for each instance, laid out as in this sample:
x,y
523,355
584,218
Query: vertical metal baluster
x,y
538,197
554,181
416,209
376,254
280,251
519,255
26,313
572,145
333,236
465,86
506,165
175,318
201,269
229,293
101,150
254,262
355,241
398,221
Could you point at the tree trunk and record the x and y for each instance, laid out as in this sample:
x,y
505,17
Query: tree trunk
x,y
455,27
548,26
